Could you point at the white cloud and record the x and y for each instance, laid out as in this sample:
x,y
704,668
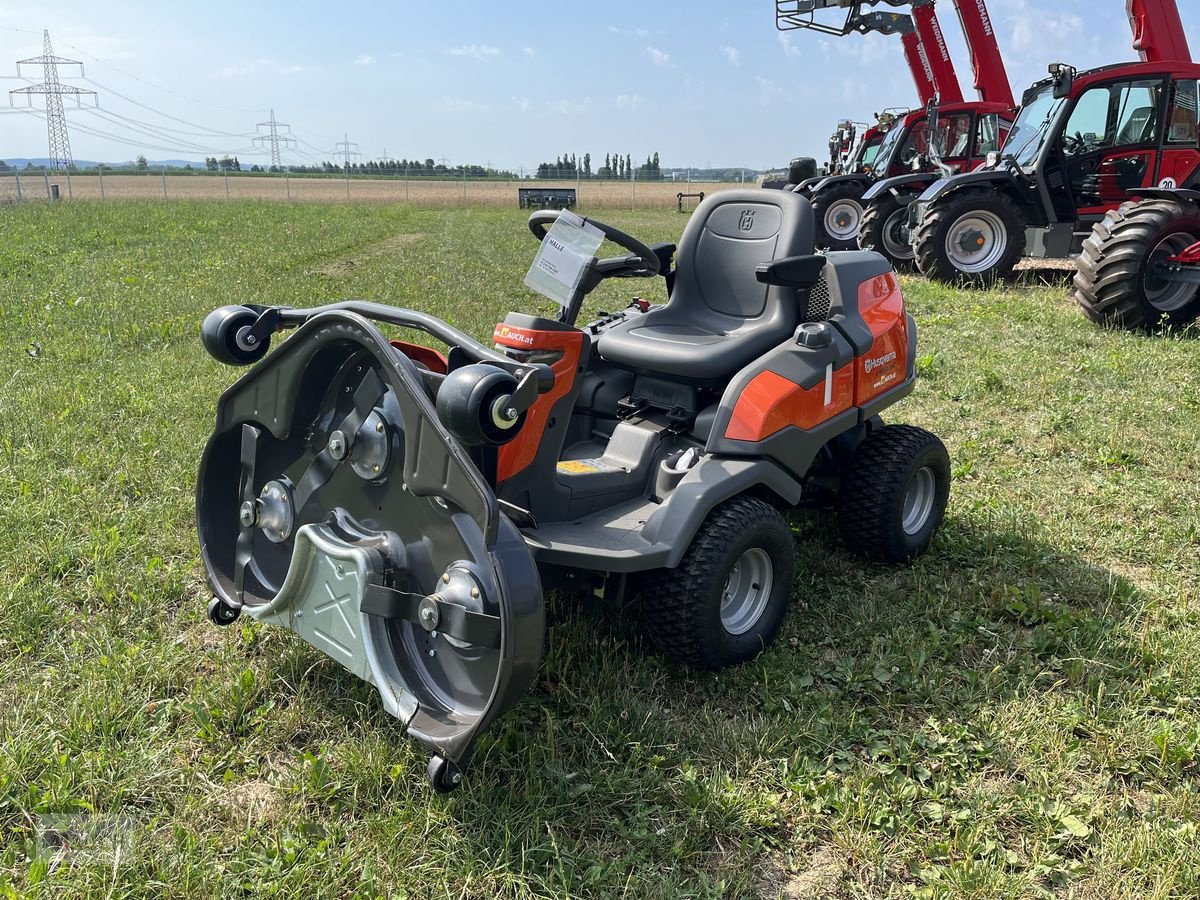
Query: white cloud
x,y
630,102
733,55
528,51
481,52
785,41
522,103
637,32
364,60
658,57
568,107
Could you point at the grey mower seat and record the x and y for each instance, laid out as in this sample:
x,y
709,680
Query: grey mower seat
x,y
719,318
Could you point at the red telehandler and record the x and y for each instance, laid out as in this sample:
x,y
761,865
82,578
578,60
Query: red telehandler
x,y
838,210
960,141
1083,144
967,129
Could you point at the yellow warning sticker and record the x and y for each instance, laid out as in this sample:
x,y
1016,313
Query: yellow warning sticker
x,y
581,466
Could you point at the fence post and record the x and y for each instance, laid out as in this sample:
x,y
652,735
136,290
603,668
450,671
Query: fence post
x,y
347,180
226,171
633,193
100,172
46,178
464,185
70,193
19,196
164,180
287,183
406,184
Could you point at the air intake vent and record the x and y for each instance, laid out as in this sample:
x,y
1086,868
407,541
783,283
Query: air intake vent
x,y
817,308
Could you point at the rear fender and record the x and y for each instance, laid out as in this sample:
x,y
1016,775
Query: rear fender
x,y
901,186
998,180
1168,194
831,180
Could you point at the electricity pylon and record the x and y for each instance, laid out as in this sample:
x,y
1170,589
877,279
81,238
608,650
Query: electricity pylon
x,y
53,90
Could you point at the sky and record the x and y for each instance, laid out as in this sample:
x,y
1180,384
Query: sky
x,y
702,83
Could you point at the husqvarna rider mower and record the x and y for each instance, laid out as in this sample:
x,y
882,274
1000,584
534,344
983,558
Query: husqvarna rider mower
x,y
403,509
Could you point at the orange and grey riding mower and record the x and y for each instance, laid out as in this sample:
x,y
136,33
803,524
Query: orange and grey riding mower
x,y
403,509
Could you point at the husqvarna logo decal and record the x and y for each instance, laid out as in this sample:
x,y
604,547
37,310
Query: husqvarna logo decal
x,y
746,222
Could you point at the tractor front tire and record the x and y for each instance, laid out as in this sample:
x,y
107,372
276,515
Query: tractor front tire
x,y
1115,284
838,211
725,602
894,494
970,237
882,231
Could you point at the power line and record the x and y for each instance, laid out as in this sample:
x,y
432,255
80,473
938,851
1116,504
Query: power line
x,y
58,138
273,138
346,149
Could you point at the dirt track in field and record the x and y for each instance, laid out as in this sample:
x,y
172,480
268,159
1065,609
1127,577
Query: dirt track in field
x,y
592,195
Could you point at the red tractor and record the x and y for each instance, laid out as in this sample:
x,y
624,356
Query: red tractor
x,y
1083,144
969,129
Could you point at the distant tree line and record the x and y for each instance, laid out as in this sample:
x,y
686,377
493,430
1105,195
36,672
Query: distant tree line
x,y
615,167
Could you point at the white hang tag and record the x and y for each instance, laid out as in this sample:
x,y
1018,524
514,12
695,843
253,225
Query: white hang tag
x,y
569,245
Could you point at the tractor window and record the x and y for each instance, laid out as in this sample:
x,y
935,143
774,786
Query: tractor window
x,y
986,138
1182,122
1115,115
954,135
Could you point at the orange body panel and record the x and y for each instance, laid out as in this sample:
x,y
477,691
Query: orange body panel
x,y
519,454
771,403
885,364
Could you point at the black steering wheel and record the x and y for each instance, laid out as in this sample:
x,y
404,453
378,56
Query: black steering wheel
x,y
642,262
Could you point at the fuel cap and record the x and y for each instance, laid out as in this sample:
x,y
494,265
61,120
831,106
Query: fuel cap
x,y
815,335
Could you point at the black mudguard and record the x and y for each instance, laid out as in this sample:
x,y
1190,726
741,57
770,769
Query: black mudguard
x,y
1002,180
387,551
902,184
830,180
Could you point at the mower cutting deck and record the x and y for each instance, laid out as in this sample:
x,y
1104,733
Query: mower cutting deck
x,y
403,510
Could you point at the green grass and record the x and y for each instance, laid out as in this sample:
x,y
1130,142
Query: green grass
x,y
1013,715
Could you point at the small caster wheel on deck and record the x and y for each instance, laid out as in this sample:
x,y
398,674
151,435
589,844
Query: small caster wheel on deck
x,y
221,613
444,776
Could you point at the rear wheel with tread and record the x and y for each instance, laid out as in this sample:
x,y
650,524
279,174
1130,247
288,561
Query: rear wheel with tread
x,y
883,230
838,211
1115,280
893,497
725,602
973,237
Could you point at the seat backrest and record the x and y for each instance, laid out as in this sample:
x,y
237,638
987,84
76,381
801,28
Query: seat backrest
x,y
729,234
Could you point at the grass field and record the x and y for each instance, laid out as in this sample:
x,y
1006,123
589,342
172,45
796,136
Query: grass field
x,y
428,192
1015,714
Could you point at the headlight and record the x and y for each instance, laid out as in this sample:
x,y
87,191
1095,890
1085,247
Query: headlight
x,y
993,159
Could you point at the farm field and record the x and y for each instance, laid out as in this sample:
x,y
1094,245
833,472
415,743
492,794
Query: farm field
x,y
1015,714
419,192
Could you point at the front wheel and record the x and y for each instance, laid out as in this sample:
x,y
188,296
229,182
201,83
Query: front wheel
x,y
838,210
725,602
1121,279
972,237
894,494
884,229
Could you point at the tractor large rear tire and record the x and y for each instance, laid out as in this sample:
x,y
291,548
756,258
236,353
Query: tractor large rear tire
x,y
1114,285
838,210
951,226
881,231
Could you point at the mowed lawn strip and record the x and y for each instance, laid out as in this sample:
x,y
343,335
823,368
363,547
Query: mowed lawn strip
x,y
1014,714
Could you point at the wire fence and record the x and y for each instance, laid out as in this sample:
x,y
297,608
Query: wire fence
x,y
438,191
